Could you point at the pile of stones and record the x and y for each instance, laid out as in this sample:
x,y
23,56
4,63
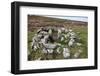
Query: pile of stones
x,y
58,40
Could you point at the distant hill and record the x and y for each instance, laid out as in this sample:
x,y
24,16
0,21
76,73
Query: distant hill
x,y
35,21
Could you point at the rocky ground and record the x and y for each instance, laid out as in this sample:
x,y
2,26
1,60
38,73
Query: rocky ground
x,y
51,38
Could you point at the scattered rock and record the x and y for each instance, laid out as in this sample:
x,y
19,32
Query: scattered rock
x,y
77,54
78,44
47,39
66,53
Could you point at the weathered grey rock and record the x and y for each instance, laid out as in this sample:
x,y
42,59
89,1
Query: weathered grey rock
x,y
45,39
35,47
50,50
39,30
66,53
78,44
49,46
71,42
77,54
62,38
58,50
50,32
